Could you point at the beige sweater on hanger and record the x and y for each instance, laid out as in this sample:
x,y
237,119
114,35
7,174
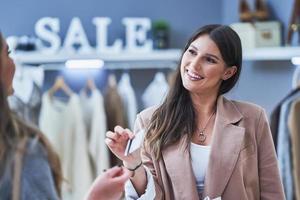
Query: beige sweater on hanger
x,y
63,125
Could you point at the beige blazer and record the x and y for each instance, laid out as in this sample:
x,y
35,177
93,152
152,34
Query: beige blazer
x,y
242,162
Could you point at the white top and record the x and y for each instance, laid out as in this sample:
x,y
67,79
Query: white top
x,y
24,79
156,91
63,125
127,95
199,160
95,122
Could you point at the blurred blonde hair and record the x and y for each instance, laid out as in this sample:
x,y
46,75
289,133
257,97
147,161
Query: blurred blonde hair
x,y
13,131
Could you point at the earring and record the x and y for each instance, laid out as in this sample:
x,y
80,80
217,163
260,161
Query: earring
x,y
245,12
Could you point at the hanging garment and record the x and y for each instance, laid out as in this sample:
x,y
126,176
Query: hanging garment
x,y
294,128
274,123
128,98
156,91
114,110
171,78
63,124
26,101
29,111
284,148
95,123
113,106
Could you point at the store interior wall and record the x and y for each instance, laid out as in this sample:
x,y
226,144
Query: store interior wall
x,y
19,18
263,82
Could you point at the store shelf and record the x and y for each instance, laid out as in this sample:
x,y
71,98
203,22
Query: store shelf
x,y
154,59
271,53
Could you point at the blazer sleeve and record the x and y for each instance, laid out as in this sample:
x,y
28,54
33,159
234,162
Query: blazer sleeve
x,y
131,194
147,159
269,177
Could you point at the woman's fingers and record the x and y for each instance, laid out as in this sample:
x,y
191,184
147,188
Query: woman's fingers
x,y
112,135
112,172
123,175
118,129
110,143
129,133
117,140
122,132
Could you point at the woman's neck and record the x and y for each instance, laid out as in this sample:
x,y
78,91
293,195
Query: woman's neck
x,y
204,105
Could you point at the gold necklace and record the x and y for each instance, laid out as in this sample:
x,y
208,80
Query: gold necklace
x,y
202,135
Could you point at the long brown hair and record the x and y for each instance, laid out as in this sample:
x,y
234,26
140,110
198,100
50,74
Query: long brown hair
x,y
176,116
13,130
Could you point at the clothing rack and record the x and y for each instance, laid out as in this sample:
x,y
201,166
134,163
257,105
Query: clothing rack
x,y
120,65
155,59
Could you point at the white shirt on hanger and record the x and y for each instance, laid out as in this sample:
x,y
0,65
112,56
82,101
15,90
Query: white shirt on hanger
x,y
95,121
128,98
24,79
63,124
156,91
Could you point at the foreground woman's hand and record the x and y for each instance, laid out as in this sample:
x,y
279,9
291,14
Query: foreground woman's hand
x,y
109,185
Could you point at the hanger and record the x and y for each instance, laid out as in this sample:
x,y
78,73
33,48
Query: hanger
x,y
125,77
89,85
60,84
112,80
159,77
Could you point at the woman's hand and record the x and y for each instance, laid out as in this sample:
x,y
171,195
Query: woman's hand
x,y
109,185
117,142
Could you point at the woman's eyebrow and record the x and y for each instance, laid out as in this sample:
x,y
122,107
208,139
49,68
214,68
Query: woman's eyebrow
x,y
212,55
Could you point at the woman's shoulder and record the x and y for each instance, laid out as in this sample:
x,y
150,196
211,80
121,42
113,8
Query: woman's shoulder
x,y
248,108
145,115
34,147
37,178
148,112
247,105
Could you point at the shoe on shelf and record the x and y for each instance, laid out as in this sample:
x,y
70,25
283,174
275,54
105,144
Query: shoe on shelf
x,y
245,12
261,10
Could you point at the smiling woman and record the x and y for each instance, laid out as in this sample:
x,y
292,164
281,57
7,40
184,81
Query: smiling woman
x,y
199,136
29,168
203,67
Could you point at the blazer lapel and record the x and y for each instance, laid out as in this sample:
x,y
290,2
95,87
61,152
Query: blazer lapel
x,y
226,144
178,166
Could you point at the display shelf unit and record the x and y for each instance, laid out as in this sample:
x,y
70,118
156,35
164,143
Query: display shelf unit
x,y
124,60
271,53
155,59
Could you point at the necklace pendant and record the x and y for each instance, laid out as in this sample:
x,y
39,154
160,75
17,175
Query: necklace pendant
x,y
202,137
